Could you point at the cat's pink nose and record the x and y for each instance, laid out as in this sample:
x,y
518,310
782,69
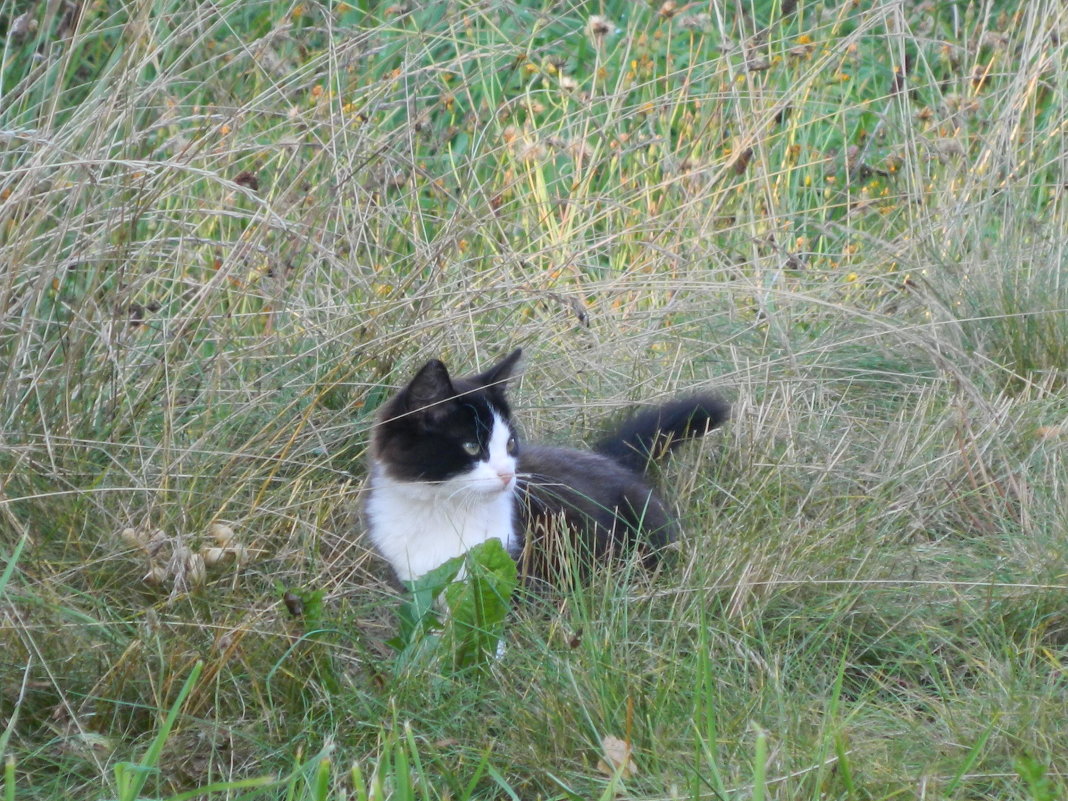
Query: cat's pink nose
x,y
506,478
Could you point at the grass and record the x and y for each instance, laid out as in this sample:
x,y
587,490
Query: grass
x,y
228,231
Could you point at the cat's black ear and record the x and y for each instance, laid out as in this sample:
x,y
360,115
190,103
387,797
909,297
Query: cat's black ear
x,y
430,386
497,375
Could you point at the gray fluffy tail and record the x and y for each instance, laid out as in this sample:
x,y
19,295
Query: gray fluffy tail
x,y
652,433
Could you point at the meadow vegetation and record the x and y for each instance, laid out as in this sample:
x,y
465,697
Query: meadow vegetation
x,y
228,231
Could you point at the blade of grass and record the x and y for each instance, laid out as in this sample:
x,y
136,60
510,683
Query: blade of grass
x,y
9,568
970,760
132,778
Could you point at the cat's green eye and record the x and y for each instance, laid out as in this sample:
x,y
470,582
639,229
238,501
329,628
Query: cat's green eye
x,y
472,448
512,446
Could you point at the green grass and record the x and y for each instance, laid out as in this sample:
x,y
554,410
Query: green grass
x,y
227,232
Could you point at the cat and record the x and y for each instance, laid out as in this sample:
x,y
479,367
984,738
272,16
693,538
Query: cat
x,y
448,471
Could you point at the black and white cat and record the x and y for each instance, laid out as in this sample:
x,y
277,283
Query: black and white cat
x,y
448,472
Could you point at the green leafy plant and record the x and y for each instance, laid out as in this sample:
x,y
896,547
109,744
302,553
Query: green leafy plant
x,y
1034,775
458,610
312,649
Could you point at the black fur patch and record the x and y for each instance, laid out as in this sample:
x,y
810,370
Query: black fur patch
x,y
651,433
420,432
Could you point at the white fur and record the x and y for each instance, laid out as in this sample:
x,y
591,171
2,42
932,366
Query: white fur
x,y
417,526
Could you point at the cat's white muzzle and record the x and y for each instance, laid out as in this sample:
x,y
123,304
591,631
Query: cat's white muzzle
x,y
492,478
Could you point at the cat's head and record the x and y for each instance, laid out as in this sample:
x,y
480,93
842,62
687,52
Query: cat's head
x,y
456,433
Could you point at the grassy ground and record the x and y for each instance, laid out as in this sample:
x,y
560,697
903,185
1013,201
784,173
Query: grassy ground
x,y
227,231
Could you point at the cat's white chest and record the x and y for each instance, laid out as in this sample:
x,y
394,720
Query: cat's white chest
x,y
417,527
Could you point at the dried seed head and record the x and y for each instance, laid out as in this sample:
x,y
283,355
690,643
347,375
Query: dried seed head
x,y
993,39
741,162
222,534
241,554
22,27
215,556
578,150
531,150
195,570
697,22
248,179
155,576
597,28
618,758
668,9
156,542
132,538
178,564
